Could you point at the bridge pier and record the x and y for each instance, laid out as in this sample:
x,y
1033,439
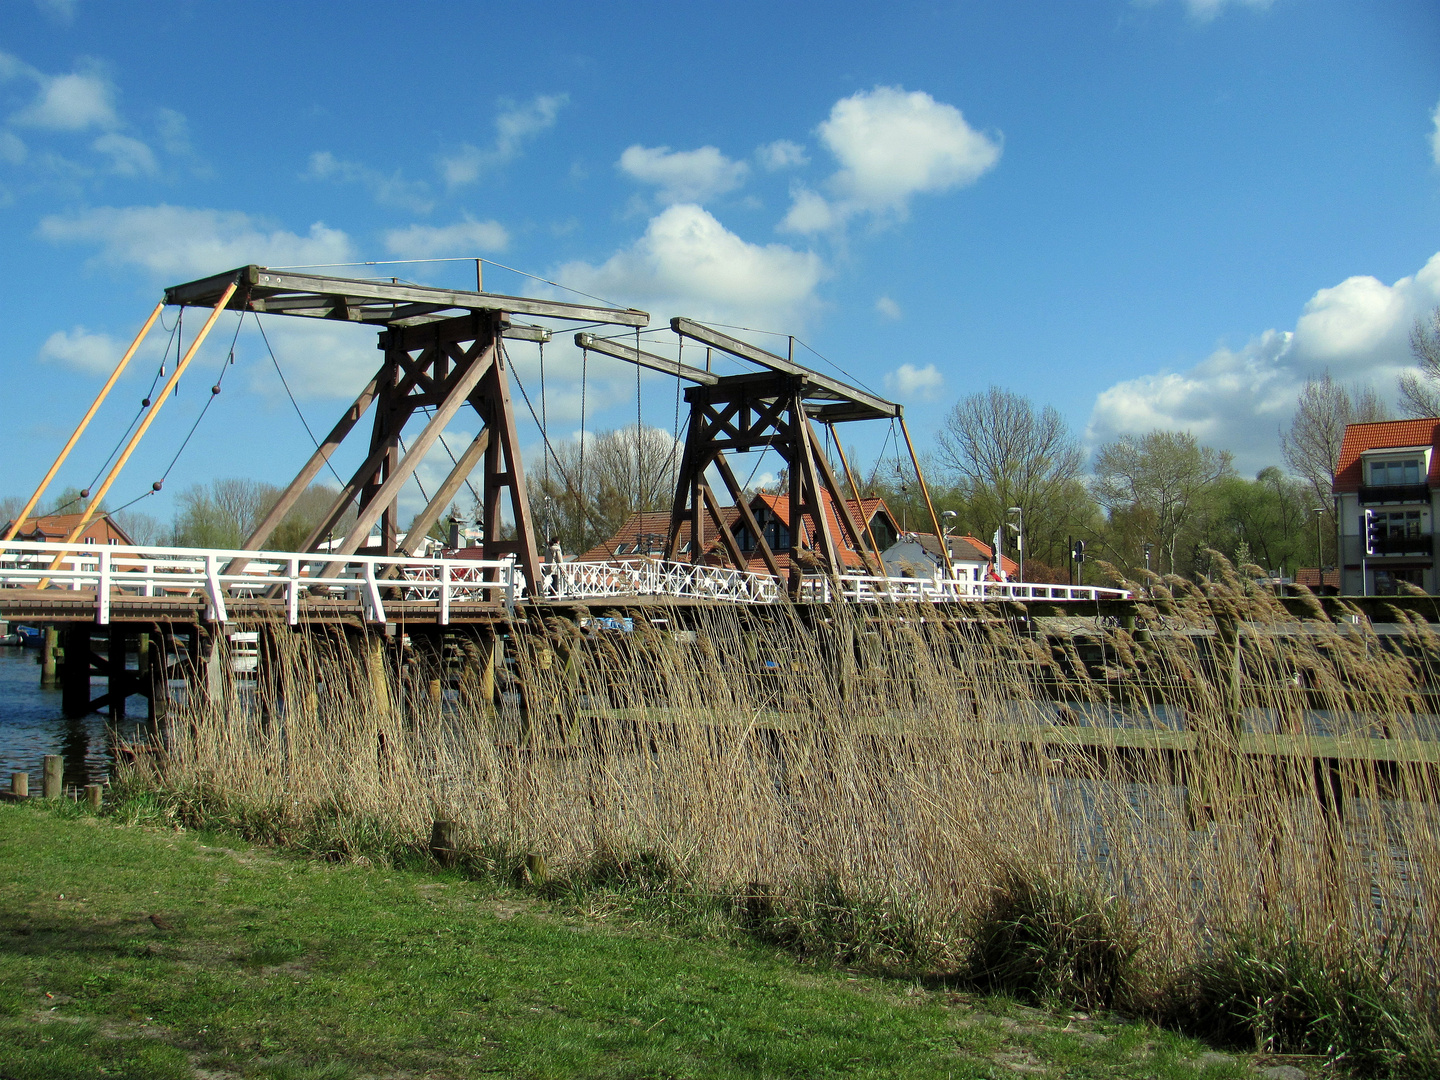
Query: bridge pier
x,y
75,671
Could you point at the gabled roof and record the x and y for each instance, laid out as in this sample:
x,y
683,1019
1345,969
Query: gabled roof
x,y
864,511
59,526
1378,436
654,522
1310,577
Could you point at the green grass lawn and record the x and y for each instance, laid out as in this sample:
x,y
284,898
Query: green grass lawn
x,y
132,951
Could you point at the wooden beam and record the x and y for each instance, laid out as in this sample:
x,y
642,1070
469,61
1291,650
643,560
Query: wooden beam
x,y
99,495
745,351
842,506
748,516
810,479
499,417
385,495
632,355
445,492
727,538
84,423
306,475
264,283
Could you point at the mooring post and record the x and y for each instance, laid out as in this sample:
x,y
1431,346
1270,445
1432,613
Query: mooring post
x,y
20,785
374,646
94,796
48,644
442,842
54,776
75,672
535,868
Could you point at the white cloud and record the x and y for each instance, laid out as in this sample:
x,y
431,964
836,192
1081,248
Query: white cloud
x,y
891,146
684,176
128,157
781,154
321,358
179,243
908,381
78,348
514,125
392,190
71,102
888,308
1435,134
461,238
1238,399
687,263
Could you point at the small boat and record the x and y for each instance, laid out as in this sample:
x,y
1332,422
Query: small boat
x,y
32,637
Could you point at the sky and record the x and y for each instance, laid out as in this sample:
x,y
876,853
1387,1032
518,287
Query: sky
x,y
1145,213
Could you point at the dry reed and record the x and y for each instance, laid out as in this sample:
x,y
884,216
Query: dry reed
x,y
962,793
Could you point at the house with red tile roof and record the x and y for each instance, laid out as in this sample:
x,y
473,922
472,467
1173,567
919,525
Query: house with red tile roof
x,y
52,528
1386,486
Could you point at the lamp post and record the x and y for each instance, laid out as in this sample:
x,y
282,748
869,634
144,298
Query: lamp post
x,y
1148,545
948,516
1319,512
1019,526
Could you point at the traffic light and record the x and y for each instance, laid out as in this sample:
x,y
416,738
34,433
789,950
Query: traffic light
x,y
1372,532
1078,552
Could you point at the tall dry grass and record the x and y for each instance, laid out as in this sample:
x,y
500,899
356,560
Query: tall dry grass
x,y
959,792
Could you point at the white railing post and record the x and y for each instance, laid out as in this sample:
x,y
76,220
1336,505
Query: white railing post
x,y
214,590
102,590
444,593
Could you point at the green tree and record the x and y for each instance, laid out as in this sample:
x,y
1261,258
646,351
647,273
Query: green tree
x,y
1159,480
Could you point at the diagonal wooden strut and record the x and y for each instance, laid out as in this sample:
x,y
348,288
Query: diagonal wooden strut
x,y
84,423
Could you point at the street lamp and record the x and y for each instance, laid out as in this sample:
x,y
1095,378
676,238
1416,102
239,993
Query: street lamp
x,y
1019,526
1147,556
948,516
1319,512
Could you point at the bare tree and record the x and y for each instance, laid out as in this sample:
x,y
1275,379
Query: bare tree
x,y
1312,445
1420,393
1006,454
587,497
1160,477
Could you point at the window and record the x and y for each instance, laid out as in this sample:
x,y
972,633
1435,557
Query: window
x,y
1399,524
1394,473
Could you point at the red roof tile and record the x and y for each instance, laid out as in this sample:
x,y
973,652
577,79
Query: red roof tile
x,y
1378,436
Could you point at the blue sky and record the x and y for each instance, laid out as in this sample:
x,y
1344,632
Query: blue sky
x,y
1155,214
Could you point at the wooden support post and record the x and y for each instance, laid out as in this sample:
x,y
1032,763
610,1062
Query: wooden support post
x,y
48,644
54,776
75,672
374,646
437,693
535,868
20,785
94,796
117,678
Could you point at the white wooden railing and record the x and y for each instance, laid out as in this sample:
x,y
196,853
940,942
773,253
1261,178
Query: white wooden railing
x,y
656,577
218,575
861,588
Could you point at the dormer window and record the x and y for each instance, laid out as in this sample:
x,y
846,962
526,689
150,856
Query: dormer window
x,y
1395,472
